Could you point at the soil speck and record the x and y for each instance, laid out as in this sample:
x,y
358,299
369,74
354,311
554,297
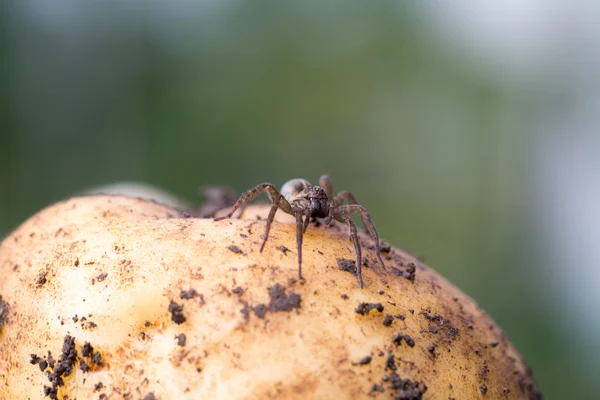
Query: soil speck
x,y
390,363
364,308
246,311
377,388
87,349
387,320
238,291
431,348
97,358
41,278
260,310
235,249
176,312
101,277
283,249
83,365
365,361
188,294
397,339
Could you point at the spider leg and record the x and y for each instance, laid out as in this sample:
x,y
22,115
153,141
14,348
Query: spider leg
x,y
369,226
270,218
299,233
330,212
327,186
344,217
341,196
248,196
306,222
339,199
278,202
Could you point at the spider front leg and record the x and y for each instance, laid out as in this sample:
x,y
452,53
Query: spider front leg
x,y
342,216
278,202
250,195
299,233
270,219
327,186
369,226
339,199
306,222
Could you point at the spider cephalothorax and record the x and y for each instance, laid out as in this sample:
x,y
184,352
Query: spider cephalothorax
x,y
303,200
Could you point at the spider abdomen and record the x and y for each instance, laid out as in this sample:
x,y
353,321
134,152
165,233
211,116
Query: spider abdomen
x,y
293,187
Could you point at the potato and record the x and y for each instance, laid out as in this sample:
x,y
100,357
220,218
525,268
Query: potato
x,y
122,298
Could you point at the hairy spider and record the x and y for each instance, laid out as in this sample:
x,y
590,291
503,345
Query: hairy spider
x,y
301,199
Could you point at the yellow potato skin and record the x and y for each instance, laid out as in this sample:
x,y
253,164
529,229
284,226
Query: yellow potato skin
x,y
120,262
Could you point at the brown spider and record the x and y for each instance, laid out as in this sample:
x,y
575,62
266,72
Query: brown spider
x,y
299,198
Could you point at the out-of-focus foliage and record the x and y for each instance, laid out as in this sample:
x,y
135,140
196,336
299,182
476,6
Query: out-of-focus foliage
x,y
183,94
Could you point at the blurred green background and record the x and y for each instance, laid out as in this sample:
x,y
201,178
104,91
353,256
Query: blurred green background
x,y
436,142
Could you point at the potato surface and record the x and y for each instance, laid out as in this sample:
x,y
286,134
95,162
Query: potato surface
x,y
120,298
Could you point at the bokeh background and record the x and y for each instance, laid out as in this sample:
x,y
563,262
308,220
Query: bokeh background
x,y
470,131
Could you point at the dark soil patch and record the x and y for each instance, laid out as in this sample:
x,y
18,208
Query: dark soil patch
x,y
406,389
280,301
408,273
60,369
347,265
439,323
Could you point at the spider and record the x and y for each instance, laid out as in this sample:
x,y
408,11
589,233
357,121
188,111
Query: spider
x,y
301,199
